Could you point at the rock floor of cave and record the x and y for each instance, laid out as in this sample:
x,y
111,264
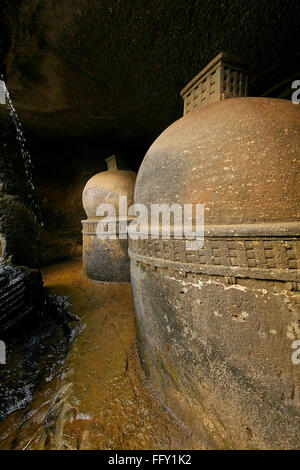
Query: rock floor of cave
x,y
99,399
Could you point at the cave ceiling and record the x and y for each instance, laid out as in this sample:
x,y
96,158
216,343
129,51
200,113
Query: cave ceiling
x,y
112,70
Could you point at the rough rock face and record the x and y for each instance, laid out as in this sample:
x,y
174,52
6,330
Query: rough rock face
x,y
59,178
18,230
216,326
114,69
21,295
107,259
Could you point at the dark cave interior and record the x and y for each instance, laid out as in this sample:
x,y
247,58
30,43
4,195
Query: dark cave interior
x,y
92,79
89,79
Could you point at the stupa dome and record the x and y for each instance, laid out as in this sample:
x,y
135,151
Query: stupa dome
x,y
106,188
215,324
239,157
106,259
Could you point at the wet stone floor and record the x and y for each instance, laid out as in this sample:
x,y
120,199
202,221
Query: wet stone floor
x,y
90,394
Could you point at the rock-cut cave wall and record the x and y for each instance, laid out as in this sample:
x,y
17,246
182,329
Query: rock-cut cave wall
x,y
18,229
91,78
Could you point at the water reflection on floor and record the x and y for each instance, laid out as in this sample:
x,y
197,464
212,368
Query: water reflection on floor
x,y
94,395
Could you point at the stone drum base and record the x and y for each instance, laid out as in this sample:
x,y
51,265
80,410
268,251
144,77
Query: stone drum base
x,y
104,260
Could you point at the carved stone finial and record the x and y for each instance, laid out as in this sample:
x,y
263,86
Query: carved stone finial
x,y
112,163
224,77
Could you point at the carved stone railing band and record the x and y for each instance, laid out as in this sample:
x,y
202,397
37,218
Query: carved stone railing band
x,y
261,251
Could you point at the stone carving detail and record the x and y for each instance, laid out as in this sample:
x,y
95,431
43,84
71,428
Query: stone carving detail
x,y
268,258
222,78
89,226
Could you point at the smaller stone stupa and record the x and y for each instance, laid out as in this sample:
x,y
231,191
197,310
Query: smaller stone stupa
x,y
107,259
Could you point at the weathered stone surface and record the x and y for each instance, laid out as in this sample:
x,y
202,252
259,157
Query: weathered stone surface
x,y
215,326
239,157
21,296
224,77
107,259
60,176
106,188
20,243
113,70
90,78
104,260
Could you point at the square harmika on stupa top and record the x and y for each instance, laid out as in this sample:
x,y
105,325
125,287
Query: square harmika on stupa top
x,y
224,77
